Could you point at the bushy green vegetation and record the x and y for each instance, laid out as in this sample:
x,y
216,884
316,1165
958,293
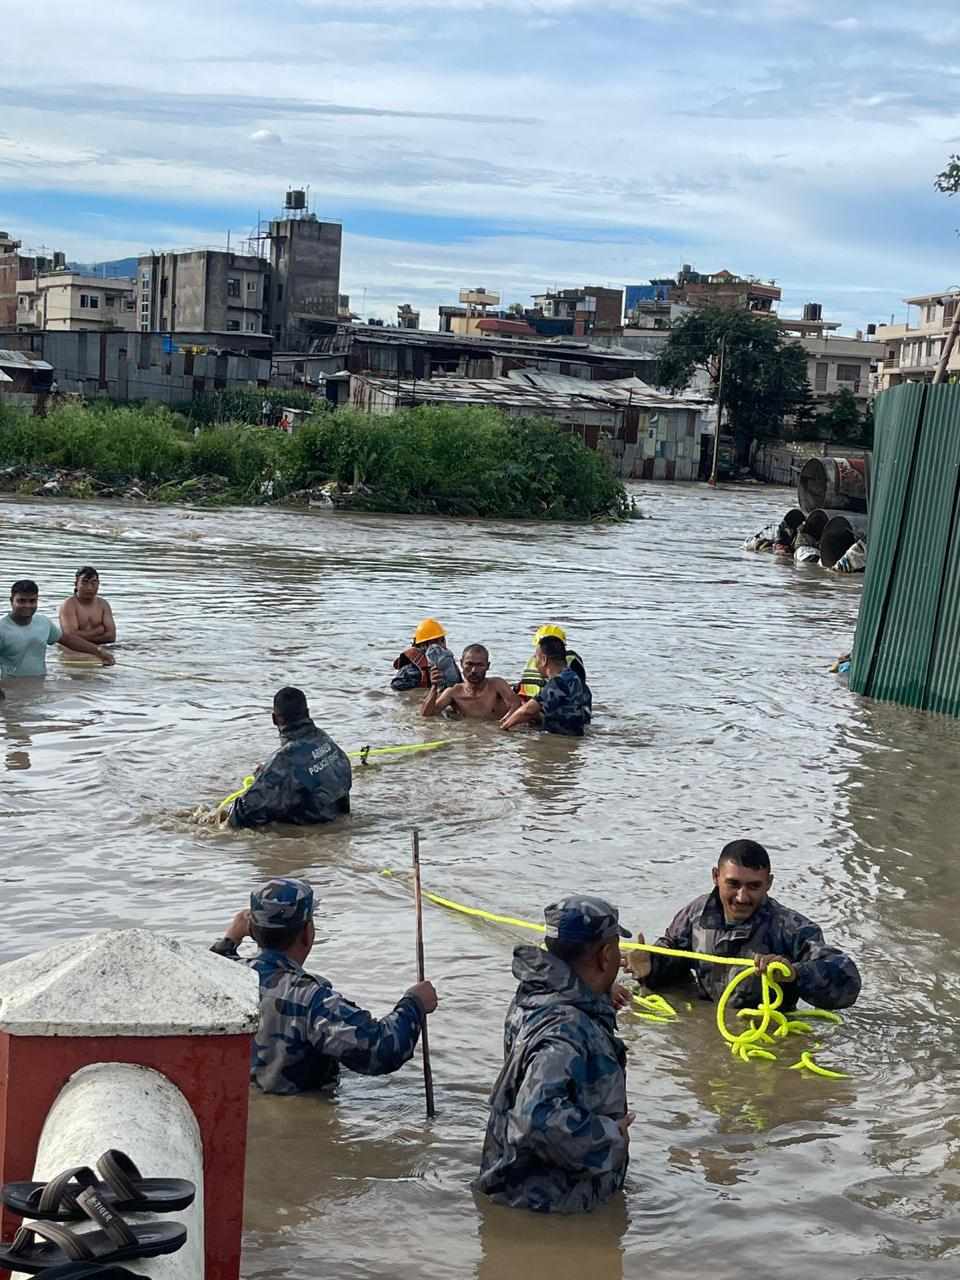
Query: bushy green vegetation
x,y
447,460
242,405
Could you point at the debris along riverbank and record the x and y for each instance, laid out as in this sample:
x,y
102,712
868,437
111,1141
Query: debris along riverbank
x,y
428,460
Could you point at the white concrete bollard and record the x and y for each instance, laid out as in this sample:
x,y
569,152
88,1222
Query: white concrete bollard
x,y
136,1110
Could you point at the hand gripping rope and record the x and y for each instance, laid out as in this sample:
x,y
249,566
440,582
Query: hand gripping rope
x,y
754,1041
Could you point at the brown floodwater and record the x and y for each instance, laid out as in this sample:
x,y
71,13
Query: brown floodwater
x,y
716,717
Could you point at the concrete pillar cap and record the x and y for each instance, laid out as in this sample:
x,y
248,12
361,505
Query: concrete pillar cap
x,y
127,982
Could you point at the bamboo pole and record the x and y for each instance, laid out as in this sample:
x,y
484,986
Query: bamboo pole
x,y
418,903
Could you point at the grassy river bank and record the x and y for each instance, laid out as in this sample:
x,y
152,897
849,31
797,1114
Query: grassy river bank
x,y
440,461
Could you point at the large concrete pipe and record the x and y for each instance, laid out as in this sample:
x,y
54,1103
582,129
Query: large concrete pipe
x,y
833,483
137,1110
840,532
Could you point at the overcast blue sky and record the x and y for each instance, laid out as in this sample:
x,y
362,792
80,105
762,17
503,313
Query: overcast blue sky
x,y
514,144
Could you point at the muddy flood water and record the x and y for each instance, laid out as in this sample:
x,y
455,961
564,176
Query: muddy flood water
x,y
715,717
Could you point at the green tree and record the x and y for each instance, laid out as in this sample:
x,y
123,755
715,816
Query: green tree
x,y
949,180
764,378
841,421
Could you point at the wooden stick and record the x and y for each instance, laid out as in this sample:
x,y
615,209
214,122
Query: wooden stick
x,y
418,902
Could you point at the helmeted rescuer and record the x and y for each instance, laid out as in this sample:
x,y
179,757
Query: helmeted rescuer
x,y
308,1030
307,780
412,666
557,1137
738,918
532,680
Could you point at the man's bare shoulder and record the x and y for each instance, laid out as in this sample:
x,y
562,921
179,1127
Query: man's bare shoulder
x,y
501,685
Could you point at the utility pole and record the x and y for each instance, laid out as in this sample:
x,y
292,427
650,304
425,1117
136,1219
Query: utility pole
x,y
716,439
949,343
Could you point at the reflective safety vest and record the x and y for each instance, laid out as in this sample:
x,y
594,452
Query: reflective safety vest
x,y
531,682
419,659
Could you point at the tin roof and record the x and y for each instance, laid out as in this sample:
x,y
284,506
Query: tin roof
x,y
525,388
22,360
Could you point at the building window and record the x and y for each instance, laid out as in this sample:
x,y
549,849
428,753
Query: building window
x,y
111,299
948,309
251,286
233,324
848,373
130,305
22,302
252,326
279,292
820,377
930,313
84,300
233,287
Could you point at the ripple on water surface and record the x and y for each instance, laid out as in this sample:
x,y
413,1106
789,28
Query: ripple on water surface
x,y
716,718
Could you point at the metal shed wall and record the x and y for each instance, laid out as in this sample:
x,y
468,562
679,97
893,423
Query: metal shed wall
x,y
905,649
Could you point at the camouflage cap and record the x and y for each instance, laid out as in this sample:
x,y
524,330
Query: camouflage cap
x,y
281,904
583,919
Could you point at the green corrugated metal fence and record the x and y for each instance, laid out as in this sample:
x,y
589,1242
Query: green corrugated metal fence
x,y
907,646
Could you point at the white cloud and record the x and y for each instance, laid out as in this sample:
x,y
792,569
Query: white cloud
x,y
620,136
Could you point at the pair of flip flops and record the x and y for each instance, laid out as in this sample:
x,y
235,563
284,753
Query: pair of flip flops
x,y
77,1194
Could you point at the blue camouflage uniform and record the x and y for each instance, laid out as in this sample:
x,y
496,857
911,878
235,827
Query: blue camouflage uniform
x,y
307,1030
826,976
553,1143
565,703
306,780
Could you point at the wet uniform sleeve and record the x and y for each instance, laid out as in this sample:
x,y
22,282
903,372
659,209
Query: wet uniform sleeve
x,y
666,970
272,796
372,1046
408,677
548,1117
826,976
55,634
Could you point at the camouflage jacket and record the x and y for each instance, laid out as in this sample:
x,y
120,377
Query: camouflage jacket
x,y
307,780
553,1144
307,1030
826,977
566,703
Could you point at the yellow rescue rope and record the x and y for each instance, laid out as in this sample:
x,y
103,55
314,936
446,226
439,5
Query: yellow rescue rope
x,y
754,1041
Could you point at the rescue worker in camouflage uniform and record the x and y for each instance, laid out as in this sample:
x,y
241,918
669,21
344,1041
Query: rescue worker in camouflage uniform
x,y
307,780
739,919
557,1137
564,703
307,1030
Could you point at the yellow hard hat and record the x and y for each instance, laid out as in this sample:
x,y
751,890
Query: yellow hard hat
x,y
429,629
550,629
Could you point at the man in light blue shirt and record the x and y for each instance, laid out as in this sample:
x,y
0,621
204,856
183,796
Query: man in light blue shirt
x,y
25,635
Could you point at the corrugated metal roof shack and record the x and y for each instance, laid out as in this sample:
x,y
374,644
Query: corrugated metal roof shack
x,y
907,644
647,433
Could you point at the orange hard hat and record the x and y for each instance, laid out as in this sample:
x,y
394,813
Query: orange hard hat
x,y
429,629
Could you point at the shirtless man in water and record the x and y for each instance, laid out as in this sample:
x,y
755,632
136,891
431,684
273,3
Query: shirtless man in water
x,y
478,695
87,614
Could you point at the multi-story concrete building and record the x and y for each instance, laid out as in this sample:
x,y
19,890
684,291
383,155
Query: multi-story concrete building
x,y
203,290
912,351
14,267
592,309
68,300
658,304
305,271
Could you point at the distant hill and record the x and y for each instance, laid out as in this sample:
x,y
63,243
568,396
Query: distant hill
x,y
119,267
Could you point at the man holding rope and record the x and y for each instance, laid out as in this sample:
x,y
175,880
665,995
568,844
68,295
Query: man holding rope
x,y
739,919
